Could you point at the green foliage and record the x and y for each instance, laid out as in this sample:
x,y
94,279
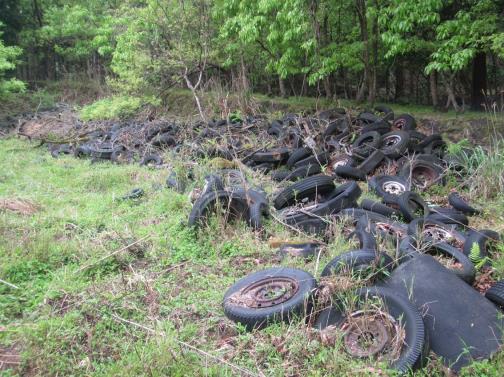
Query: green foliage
x,y
8,60
115,107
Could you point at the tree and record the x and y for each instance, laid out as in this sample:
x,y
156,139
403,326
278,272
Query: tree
x,y
8,60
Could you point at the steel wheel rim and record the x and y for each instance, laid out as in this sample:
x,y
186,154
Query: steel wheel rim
x,y
270,291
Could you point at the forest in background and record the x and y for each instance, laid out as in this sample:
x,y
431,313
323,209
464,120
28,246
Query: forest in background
x,y
448,54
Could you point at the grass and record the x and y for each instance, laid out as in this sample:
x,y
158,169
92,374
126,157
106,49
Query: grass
x,y
81,289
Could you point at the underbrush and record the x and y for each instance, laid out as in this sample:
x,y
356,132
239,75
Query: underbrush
x,y
115,107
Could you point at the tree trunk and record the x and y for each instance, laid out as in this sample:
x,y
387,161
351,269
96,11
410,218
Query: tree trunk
x,y
450,91
327,87
479,82
361,14
433,89
243,74
373,69
281,86
399,82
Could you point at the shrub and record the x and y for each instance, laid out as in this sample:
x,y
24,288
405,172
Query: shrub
x,y
115,107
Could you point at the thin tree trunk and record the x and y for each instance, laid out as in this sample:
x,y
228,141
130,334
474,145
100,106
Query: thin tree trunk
x,y
327,87
243,73
450,91
281,86
433,89
479,81
399,82
361,14
373,69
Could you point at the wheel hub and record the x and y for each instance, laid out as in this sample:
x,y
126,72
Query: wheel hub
x,y
394,188
391,140
270,292
366,334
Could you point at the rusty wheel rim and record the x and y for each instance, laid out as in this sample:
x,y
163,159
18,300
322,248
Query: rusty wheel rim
x,y
389,229
391,140
438,234
270,292
423,177
393,188
400,123
367,334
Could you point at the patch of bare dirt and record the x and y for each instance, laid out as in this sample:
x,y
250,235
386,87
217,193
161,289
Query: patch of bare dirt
x,y
21,206
9,358
50,125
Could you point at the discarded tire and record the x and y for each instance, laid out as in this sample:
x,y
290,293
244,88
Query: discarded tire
x,y
364,263
365,321
268,296
496,293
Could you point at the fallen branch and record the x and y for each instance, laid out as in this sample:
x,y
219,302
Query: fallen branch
x,y
112,254
188,346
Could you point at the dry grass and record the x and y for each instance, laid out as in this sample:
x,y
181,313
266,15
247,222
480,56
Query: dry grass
x,y
21,206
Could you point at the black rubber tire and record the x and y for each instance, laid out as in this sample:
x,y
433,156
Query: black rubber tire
x,y
274,155
305,250
388,113
305,188
303,172
406,249
366,144
350,172
175,182
337,127
165,139
82,151
371,162
400,142
402,311
457,202
134,194
416,229
61,149
359,213
448,216
380,183
319,159
258,206
343,196
356,259
367,117
382,209
255,318
151,158
479,238
312,226
429,139
409,202
467,272
123,156
366,240
298,155
433,166
381,127
280,175
496,293
405,122
385,227
206,203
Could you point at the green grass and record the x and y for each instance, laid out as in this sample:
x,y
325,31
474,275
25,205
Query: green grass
x,y
67,315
